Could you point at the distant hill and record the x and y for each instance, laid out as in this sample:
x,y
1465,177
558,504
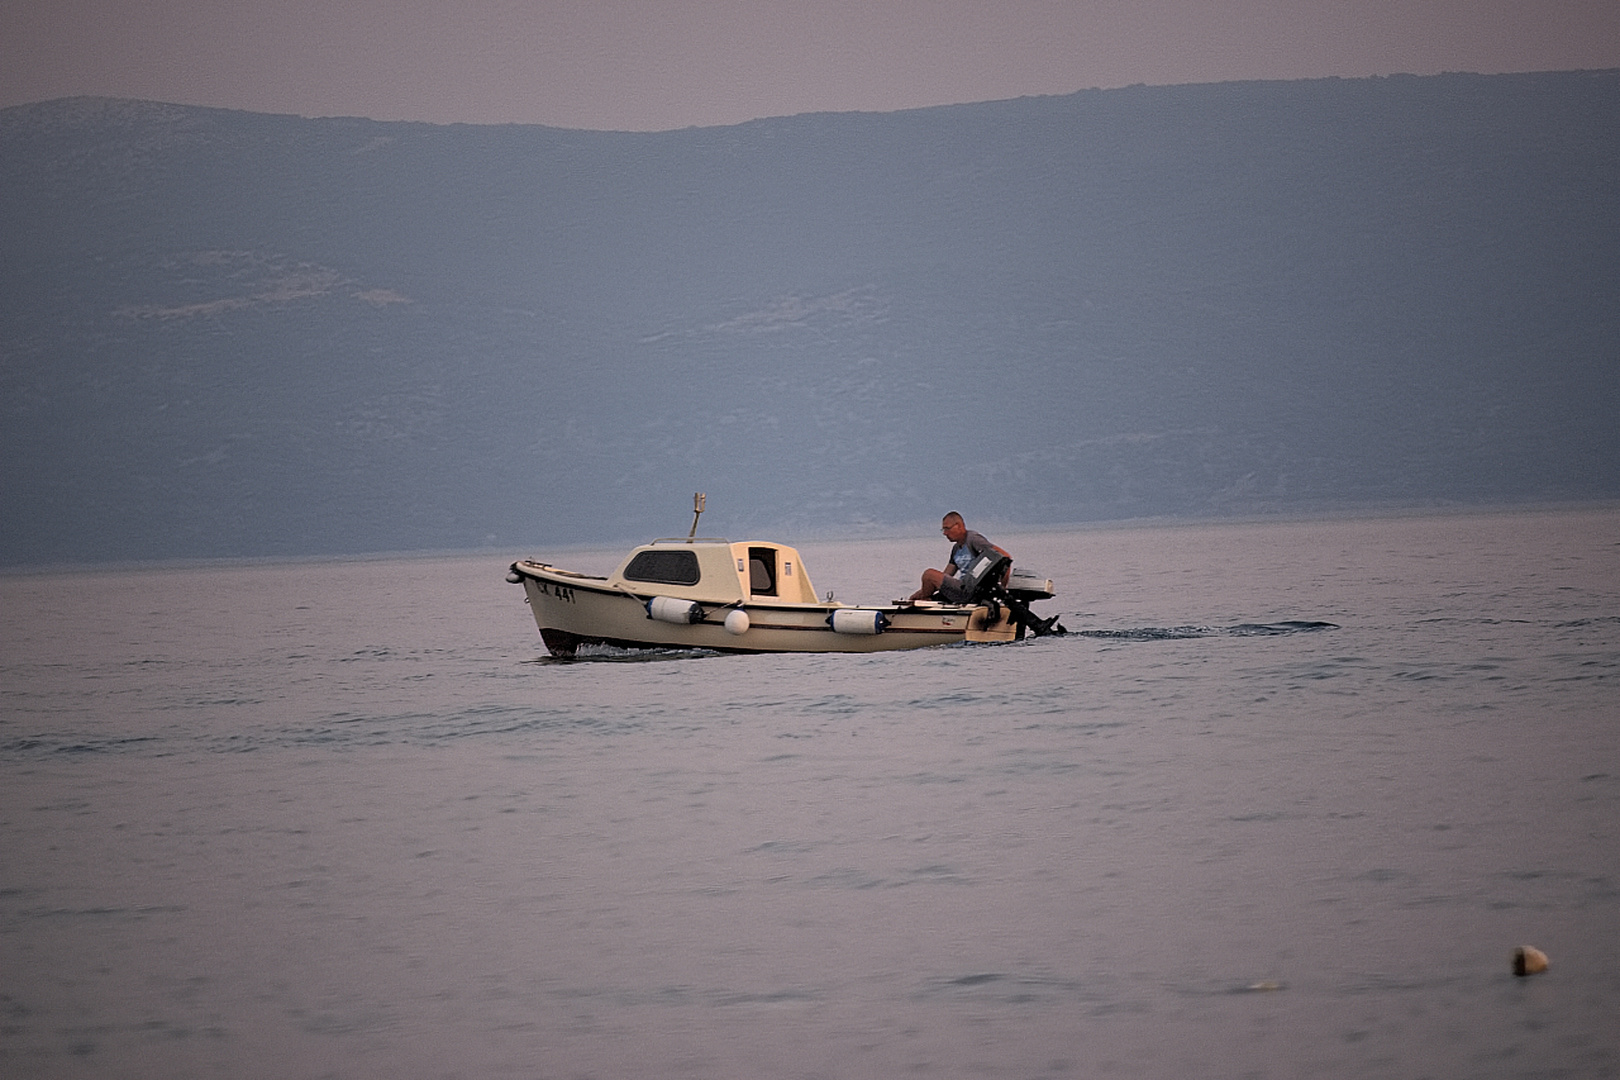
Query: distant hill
x,y
226,333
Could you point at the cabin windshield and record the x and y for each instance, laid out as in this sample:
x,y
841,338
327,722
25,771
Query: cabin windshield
x,y
666,567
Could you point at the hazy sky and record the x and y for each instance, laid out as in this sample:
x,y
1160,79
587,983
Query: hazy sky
x,y
654,64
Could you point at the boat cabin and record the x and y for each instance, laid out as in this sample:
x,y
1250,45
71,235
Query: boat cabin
x,y
715,571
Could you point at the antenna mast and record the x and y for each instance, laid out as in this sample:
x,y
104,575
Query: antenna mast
x,y
697,512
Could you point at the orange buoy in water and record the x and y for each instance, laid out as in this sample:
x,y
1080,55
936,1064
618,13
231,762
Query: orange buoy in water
x,y
1529,960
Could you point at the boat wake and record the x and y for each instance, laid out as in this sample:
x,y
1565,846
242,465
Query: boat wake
x,y
1177,633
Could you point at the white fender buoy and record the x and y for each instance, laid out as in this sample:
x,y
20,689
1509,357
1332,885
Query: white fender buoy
x,y
669,609
858,621
737,622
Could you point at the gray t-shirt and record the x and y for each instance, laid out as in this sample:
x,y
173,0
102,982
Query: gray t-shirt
x,y
972,546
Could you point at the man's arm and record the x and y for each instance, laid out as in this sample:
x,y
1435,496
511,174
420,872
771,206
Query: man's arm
x,y
1006,575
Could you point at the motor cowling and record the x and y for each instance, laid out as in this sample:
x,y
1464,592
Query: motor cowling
x,y
983,575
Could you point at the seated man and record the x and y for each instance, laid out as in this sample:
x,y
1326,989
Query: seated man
x,y
967,545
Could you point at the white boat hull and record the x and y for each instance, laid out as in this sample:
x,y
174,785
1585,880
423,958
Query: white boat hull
x,y
572,610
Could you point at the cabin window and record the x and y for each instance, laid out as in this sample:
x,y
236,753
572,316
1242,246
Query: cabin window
x,y
762,571
665,567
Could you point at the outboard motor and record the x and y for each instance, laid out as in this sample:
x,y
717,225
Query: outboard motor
x,y
983,582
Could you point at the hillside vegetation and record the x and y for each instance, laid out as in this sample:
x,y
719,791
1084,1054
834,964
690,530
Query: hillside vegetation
x,y
226,333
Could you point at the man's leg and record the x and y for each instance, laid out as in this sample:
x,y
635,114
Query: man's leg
x,y
930,585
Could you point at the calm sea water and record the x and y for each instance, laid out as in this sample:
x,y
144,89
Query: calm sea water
x,y
344,819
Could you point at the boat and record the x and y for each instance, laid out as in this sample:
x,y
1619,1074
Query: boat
x,y
756,597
